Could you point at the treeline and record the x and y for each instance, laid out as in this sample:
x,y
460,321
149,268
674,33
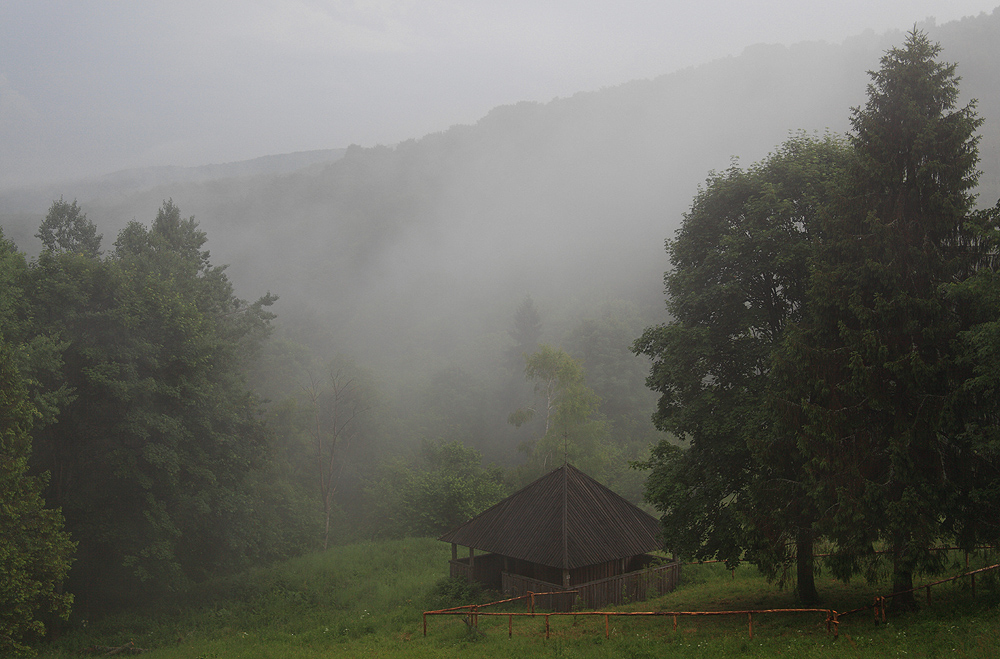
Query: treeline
x,y
151,445
831,366
143,456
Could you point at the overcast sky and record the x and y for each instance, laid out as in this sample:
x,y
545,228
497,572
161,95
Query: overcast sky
x,y
97,86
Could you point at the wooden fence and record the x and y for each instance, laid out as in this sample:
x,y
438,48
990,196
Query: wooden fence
x,y
619,589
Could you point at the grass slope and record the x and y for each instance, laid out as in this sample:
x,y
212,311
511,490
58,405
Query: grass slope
x,y
367,600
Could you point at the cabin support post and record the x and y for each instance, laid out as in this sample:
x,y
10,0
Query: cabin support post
x,y
454,552
472,563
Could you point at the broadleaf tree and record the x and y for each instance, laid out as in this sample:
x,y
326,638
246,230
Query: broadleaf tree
x,y
725,481
67,228
337,406
150,458
572,428
445,484
35,551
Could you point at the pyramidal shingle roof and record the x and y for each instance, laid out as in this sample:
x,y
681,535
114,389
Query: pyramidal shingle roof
x,y
564,519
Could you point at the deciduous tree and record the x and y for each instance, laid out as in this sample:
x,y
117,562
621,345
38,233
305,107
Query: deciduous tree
x,y
35,551
726,481
149,460
66,228
338,406
572,428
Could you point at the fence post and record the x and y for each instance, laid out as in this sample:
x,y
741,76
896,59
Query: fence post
x,y
973,576
546,626
750,623
607,626
510,626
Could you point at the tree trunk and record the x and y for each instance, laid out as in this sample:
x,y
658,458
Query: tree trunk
x,y
902,580
805,581
326,528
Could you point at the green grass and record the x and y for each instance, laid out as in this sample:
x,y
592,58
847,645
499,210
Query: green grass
x,y
367,600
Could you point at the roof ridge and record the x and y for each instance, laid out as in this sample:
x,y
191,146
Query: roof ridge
x,y
565,516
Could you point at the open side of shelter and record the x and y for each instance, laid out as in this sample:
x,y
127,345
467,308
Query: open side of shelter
x,y
565,532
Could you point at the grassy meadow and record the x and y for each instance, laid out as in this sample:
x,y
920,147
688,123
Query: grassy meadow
x,y
367,600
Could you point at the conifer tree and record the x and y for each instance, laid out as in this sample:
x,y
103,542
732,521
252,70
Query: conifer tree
x,y
875,358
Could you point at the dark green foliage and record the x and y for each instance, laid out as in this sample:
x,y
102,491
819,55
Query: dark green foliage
x,y
448,486
740,269
876,364
458,592
150,455
974,506
35,552
827,369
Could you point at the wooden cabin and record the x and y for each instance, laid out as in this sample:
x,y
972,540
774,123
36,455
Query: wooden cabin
x,y
564,532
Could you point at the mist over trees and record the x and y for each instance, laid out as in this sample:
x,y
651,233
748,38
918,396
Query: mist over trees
x,y
454,316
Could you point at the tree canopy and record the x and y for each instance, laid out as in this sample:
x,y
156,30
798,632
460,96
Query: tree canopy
x,y
740,263
150,450
828,307
878,356
568,409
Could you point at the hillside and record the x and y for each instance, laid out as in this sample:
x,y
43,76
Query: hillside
x,y
413,257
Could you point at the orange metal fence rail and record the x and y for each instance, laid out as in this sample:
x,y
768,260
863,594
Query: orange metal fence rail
x,y
473,611
831,616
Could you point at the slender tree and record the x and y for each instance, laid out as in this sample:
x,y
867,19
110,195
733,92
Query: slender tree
x,y
568,409
525,332
338,406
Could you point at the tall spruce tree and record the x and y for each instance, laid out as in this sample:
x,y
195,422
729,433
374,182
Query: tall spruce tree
x,y
875,357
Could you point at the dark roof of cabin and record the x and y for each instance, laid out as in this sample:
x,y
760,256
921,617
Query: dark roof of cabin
x,y
564,519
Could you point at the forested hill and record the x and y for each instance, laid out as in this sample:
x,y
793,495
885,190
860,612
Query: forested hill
x,y
418,254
